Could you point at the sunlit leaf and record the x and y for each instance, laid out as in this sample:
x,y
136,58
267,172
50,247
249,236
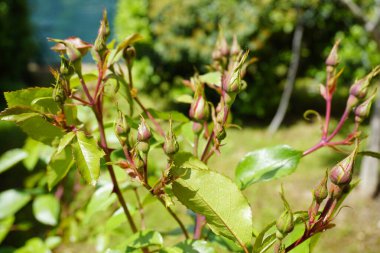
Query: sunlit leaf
x,y
5,226
38,98
11,201
217,198
213,78
193,246
11,158
100,200
87,156
33,124
174,115
32,148
61,161
46,209
266,164
32,246
144,239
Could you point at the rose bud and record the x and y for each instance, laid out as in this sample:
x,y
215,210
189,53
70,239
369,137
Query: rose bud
x,y
143,131
341,174
320,192
170,145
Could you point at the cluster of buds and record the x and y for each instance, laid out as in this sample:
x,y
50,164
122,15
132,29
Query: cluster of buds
x,y
359,100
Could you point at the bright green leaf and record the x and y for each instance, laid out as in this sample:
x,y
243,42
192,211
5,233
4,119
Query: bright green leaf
x,y
217,198
88,78
38,98
33,124
5,226
53,241
32,148
61,161
213,78
59,166
11,158
193,246
46,209
144,239
34,245
266,164
11,201
100,200
187,99
174,115
87,156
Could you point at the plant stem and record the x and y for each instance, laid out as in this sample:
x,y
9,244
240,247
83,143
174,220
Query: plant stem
x,y
200,221
327,140
171,212
111,171
85,89
141,209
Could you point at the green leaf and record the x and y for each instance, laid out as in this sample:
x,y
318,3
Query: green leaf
x,y
144,239
174,115
11,158
38,98
32,148
11,201
32,246
58,167
33,124
87,156
217,198
185,98
213,78
88,78
5,226
61,161
100,200
190,246
370,153
46,209
128,41
266,164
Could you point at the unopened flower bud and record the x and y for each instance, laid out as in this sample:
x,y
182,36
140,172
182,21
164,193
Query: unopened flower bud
x,y
352,101
341,174
197,128
138,162
142,146
143,131
335,191
74,47
285,223
199,109
220,132
129,53
362,111
170,145
320,192
59,95
332,59
122,129
359,88
235,48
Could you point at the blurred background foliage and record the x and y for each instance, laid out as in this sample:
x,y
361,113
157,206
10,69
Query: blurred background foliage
x,y
180,36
